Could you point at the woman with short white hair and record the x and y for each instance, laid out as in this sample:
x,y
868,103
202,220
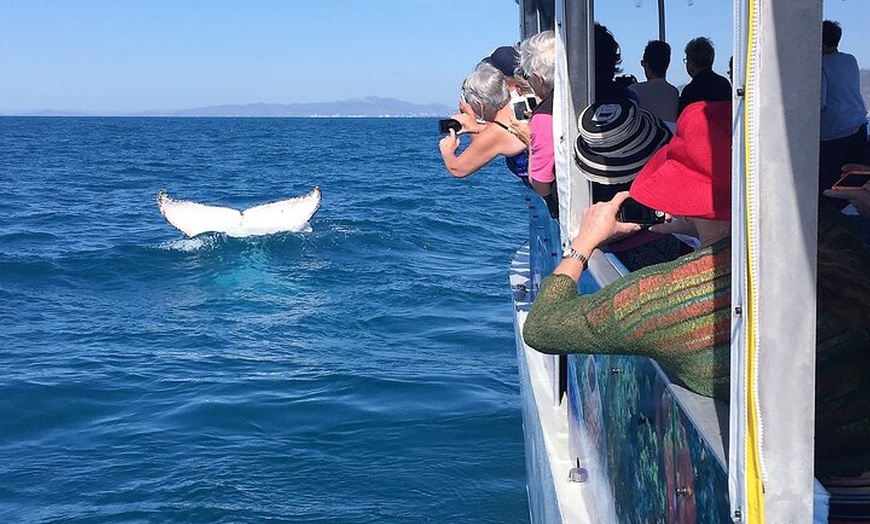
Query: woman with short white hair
x,y
538,64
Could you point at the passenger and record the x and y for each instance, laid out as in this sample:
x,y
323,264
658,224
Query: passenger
x,y
538,65
616,138
705,85
607,60
657,94
679,312
484,98
844,116
506,59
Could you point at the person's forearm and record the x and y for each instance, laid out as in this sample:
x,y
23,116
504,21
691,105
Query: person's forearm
x,y
451,162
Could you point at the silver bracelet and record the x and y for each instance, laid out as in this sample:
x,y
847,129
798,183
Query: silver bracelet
x,y
573,253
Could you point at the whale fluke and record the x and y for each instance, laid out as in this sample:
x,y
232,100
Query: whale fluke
x,y
193,218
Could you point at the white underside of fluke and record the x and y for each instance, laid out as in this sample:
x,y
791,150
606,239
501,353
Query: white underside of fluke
x,y
193,218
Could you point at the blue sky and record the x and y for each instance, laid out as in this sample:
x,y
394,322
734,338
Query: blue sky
x,y
126,55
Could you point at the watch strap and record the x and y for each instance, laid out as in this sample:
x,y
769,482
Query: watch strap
x,y
573,253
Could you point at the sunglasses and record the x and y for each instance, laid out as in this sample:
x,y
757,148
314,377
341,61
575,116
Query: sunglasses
x,y
476,98
521,73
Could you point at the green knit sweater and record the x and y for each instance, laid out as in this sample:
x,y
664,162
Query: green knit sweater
x,y
678,313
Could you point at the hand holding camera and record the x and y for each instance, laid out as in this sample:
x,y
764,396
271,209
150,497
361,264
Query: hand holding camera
x,y
524,107
634,212
600,224
447,124
460,123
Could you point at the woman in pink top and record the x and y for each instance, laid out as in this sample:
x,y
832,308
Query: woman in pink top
x,y
537,61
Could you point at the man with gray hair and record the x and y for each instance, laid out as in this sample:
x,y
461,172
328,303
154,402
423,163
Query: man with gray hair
x,y
538,65
706,85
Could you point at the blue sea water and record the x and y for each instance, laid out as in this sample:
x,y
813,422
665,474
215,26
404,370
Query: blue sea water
x,y
362,372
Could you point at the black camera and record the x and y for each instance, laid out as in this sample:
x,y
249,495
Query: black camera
x,y
636,213
447,124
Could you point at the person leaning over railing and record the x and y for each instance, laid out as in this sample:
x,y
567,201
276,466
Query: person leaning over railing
x,y
484,97
678,313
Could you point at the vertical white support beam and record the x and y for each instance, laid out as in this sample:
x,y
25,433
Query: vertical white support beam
x,y
778,295
574,21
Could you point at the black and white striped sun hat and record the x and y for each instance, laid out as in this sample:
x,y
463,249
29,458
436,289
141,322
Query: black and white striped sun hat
x,y
616,139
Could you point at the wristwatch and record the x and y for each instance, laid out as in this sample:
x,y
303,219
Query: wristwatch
x,y
573,253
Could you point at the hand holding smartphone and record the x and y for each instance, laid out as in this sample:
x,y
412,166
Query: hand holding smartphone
x,y
853,186
852,180
523,108
445,125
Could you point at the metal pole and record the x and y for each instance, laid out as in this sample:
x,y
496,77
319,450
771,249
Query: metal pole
x,y
546,14
528,18
662,21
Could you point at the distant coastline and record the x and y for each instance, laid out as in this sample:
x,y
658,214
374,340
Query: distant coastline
x,y
368,107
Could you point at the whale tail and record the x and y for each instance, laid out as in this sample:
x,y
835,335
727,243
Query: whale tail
x,y
193,218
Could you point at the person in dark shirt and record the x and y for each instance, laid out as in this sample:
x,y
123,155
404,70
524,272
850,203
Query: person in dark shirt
x,y
608,58
706,85
843,131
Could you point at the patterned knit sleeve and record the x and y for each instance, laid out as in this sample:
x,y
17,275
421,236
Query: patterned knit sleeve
x,y
559,322
677,313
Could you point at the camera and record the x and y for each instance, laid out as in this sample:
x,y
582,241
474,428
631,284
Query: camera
x,y
447,124
523,108
636,213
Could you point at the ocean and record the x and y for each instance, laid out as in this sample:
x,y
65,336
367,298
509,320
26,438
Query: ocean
x,y
362,372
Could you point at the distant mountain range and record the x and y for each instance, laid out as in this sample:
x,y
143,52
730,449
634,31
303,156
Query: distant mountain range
x,y
371,106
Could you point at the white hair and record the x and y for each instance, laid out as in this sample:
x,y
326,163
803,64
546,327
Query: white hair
x,y
538,55
485,91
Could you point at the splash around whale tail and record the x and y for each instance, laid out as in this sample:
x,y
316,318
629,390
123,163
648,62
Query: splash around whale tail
x,y
193,218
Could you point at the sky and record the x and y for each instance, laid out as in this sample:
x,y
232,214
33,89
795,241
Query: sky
x,y
110,56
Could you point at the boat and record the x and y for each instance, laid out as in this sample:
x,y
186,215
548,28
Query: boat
x,y
611,438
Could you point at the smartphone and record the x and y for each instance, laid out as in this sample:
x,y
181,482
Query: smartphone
x,y
533,103
523,108
447,124
852,180
633,211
